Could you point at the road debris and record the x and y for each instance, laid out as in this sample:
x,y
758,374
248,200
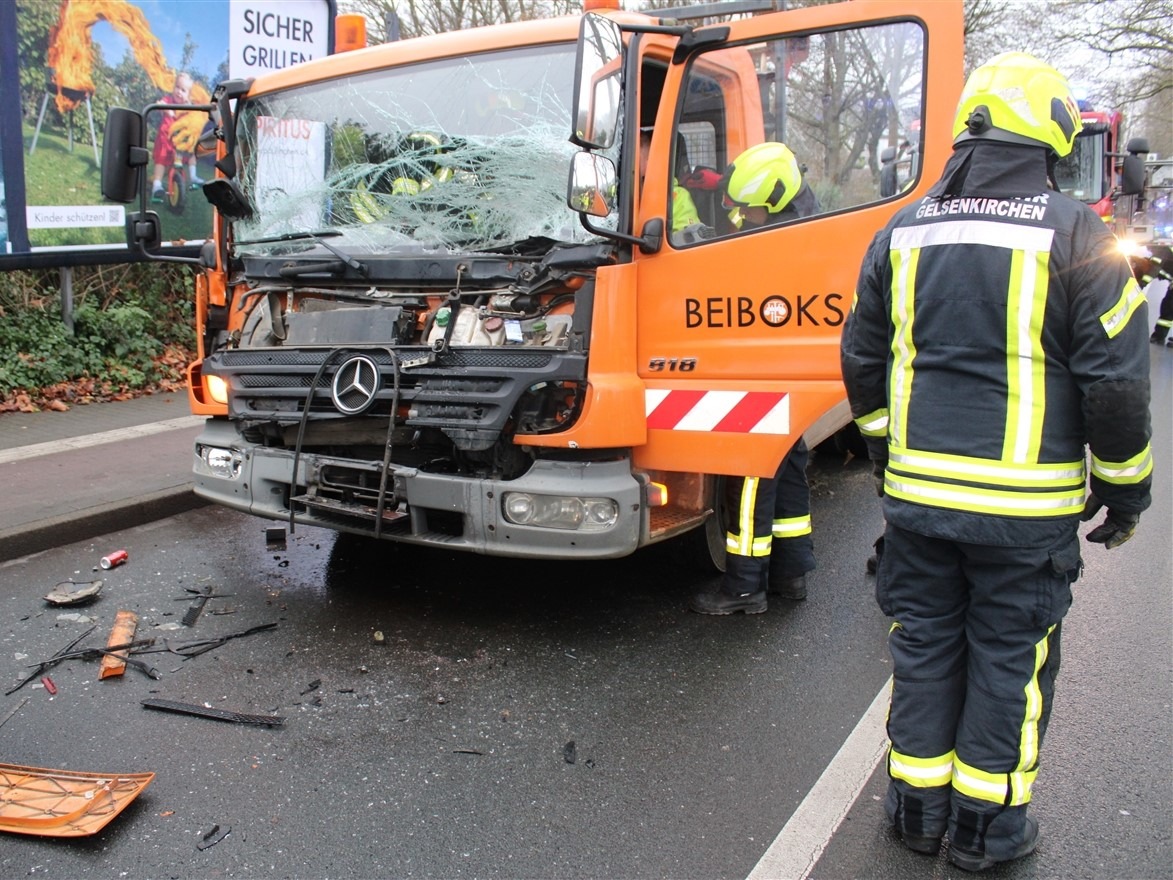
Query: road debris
x,y
49,686
63,803
275,538
113,660
113,559
13,711
70,593
569,753
187,650
207,711
43,667
199,598
214,836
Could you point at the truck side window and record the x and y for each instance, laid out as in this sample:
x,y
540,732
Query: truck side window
x,y
839,100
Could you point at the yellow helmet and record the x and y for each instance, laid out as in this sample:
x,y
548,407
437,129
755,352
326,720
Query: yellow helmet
x,y
1018,99
765,176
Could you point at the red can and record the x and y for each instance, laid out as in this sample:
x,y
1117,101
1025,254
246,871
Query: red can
x,y
116,558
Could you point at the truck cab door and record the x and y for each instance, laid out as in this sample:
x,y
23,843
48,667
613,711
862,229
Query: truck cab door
x,y
738,326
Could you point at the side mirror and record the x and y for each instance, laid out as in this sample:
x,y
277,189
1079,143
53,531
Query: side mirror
x,y
123,155
593,185
225,196
597,71
1132,174
143,231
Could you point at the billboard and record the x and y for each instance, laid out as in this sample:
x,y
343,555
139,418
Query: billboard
x,y
71,60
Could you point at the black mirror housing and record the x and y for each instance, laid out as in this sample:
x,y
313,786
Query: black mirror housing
x,y
124,155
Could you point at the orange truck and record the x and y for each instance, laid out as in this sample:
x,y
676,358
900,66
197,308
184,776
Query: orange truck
x,y
443,306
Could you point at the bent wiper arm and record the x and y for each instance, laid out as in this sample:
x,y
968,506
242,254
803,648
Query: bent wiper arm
x,y
289,236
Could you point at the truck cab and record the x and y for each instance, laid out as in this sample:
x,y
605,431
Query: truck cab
x,y
447,301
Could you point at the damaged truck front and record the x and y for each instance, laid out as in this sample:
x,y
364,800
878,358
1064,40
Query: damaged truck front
x,y
410,326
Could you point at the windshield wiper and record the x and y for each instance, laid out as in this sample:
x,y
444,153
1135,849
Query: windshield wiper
x,y
289,236
317,237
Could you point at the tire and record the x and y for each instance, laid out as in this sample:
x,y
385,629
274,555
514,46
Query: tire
x,y
704,547
176,192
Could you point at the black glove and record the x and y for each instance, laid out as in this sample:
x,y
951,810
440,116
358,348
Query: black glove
x,y
878,468
1116,528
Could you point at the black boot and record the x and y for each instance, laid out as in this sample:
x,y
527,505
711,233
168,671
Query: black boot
x,y
974,860
721,602
793,588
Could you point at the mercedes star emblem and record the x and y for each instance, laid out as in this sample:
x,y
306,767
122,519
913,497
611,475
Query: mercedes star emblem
x,y
355,385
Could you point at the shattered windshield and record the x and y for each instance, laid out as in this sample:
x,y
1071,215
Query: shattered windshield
x,y
459,154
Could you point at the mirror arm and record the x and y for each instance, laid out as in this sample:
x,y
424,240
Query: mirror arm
x,y
648,243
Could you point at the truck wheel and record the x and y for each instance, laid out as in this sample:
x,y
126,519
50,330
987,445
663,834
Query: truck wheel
x,y
704,546
846,441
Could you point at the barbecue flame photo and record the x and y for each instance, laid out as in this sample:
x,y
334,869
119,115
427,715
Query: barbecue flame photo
x,y
71,51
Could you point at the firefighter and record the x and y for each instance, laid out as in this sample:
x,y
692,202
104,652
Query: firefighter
x,y
1154,265
995,331
768,548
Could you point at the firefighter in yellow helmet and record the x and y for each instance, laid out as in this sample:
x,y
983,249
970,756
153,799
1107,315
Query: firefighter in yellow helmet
x,y
764,186
768,544
996,335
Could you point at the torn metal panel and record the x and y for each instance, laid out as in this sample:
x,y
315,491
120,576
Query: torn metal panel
x,y
63,803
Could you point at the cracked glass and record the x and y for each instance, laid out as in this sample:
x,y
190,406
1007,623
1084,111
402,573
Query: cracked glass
x,y
459,154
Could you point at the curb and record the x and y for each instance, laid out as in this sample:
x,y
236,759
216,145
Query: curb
x,y
35,537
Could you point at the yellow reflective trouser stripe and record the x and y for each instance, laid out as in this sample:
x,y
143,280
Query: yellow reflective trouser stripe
x,y
921,772
874,424
904,262
742,542
1062,474
1000,502
1026,302
1004,789
792,527
1028,741
1116,318
1124,472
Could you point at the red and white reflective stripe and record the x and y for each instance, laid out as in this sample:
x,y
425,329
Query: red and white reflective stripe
x,y
737,412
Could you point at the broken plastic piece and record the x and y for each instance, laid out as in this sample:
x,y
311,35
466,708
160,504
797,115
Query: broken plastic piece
x,y
275,538
114,662
208,712
49,686
214,836
63,803
69,593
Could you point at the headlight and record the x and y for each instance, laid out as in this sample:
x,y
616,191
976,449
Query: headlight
x,y
1130,248
220,462
559,511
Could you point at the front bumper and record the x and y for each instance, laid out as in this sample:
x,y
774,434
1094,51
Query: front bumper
x,y
438,510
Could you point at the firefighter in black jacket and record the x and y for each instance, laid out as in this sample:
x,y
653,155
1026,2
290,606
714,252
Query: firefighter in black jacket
x,y
996,330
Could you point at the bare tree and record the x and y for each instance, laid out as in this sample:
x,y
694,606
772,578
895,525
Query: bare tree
x,y
416,18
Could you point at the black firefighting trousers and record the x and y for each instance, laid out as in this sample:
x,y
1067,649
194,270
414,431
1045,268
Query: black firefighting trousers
x,y
769,534
975,651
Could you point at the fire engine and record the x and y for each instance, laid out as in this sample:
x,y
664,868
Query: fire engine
x,y
442,306
1091,171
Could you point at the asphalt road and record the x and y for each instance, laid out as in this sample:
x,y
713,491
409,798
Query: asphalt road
x,y
702,747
